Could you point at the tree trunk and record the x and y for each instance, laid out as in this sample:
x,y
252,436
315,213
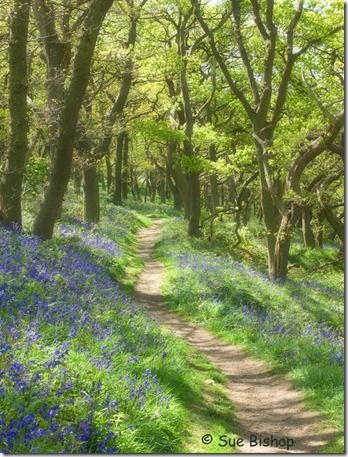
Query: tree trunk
x,y
61,170
319,230
135,186
125,168
162,190
193,227
213,182
91,194
270,217
177,202
108,174
335,223
308,236
117,198
152,186
279,267
77,180
11,186
57,58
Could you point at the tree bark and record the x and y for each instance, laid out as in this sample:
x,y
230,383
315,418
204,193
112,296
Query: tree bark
x,y
125,168
91,194
193,226
177,202
108,173
77,175
334,221
61,170
279,267
213,181
11,186
308,236
320,229
57,57
117,198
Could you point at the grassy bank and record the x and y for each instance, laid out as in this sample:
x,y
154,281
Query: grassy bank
x,y
297,326
84,370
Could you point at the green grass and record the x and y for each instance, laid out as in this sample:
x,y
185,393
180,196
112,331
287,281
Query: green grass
x,y
132,385
282,324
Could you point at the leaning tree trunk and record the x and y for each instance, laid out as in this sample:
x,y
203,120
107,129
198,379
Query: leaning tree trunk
x,y
117,198
308,236
282,244
11,186
91,194
61,169
335,223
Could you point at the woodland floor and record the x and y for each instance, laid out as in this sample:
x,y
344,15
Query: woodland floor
x,y
265,403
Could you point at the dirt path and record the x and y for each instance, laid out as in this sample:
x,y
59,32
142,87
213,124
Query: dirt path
x,y
265,404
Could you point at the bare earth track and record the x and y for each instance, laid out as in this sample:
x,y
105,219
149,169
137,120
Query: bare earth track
x,y
265,403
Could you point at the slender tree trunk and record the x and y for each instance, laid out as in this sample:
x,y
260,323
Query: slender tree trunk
x,y
137,188
108,174
319,231
177,202
176,179
193,227
11,186
152,186
193,176
269,213
162,190
61,170
125,168
77,175
213,181
101,179
308,236
91,194
117,199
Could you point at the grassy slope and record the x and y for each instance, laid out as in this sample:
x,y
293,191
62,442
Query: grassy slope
x,y
296,326
72,329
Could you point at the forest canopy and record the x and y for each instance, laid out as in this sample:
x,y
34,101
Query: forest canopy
x,y
228,107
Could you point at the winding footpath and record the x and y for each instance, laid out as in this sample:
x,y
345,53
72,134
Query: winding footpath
x,y
265,403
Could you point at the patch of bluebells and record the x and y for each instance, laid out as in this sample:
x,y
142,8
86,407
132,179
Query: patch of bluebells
x,y
65,328
91,237
244,298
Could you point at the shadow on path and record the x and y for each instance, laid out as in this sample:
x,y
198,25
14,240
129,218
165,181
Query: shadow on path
x,y
264,403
